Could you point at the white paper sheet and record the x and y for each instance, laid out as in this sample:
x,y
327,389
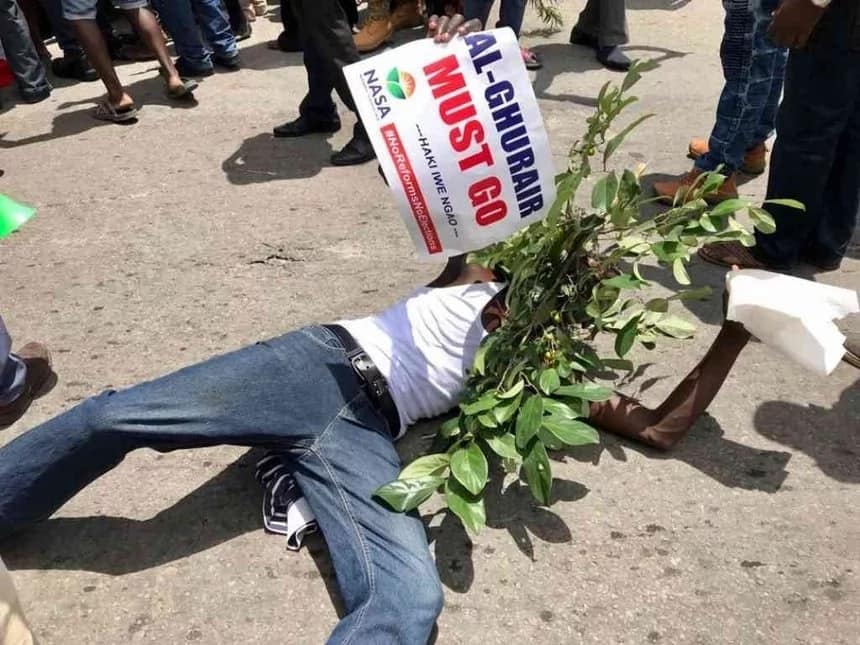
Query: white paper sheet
x,y
792,315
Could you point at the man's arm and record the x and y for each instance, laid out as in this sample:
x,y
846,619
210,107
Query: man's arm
x,y
669,423
795,20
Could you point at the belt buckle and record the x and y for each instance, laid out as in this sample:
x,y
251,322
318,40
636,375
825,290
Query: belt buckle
x,y
360,363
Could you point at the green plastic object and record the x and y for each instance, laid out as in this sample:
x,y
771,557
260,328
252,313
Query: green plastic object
x,y
13,215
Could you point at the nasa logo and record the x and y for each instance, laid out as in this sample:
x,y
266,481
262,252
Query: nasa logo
x,y
376,93
400,85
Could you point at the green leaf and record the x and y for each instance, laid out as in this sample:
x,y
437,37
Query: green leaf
x,y
707,223
604,192
538,472
469,466
626,337
450,428
528,420
513,391
680,271
559,409
728,207
549,441
660,305
586,391
506,410
790,203
488,420
468,507
479,364
762,220
549,381
702,293
571,432
406,494
428,465
625,281
676,327
486,402
618,139
618,364
503,445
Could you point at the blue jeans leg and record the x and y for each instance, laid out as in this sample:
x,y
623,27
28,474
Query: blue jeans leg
x,y
215,26
13,371
753,67
477,9
296,395
20,52
177,16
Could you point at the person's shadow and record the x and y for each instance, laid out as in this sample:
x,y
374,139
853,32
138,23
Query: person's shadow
x,y
563,58
263,158
830,437
657,5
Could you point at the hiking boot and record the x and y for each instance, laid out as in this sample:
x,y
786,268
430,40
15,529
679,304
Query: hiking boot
x,y
374,34
37,358
406,16
754,162
667,190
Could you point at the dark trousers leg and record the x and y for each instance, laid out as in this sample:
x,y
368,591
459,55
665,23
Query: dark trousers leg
x,y
815,159
606,20
238,19
328,48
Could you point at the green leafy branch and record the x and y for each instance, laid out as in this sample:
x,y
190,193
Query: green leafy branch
x,y
573,277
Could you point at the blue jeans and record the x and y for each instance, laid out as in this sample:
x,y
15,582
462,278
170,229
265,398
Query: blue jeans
x,y
296,395
511,13
816,158
20,52
191,22
13,371
753,68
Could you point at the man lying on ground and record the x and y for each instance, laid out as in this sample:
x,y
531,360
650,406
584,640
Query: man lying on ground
x,y
330,400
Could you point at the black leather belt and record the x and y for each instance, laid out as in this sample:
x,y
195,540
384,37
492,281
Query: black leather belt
x,y
374,383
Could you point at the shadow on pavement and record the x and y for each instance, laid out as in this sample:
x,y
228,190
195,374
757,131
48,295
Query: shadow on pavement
x,y
563,58
221,509
830,437
264,158
657,5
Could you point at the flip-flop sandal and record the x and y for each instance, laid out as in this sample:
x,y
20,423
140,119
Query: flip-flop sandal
x,y
107,112
531,59
184,92
729,254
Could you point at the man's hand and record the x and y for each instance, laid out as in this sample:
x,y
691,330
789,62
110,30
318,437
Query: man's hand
x,y
793,22
443,29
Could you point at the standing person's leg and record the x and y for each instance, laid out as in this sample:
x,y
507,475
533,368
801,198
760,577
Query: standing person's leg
x,y
818,108
238,19
13,371
177,16
23,376
328,31
767,121
602,25
147,27
119,105
830,240
479,10
21,55
215,26
74,63
33,15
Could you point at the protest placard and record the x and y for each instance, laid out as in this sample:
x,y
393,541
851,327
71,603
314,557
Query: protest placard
x,y
459,136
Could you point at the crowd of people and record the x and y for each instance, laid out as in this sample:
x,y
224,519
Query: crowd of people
x,y
340,380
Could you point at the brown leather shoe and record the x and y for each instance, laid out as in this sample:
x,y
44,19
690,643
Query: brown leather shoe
x,y
406,16
374,34
755,159
37,358
667,190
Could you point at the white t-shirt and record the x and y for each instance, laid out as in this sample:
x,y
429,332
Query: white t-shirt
x,y
424,344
